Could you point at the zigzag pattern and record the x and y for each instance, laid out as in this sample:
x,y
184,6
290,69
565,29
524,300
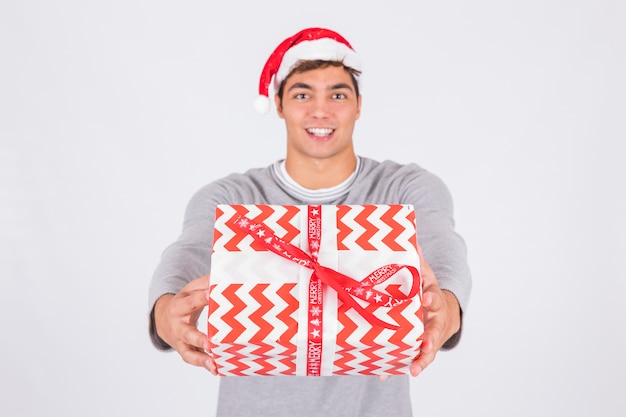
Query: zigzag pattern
x,y
211,329
396,228
343,352
287,339
404,353
265,305
217,231
412,220
369,230
375,228
230,317
364,227
262,350
372,350
238,368
285,221
358,347
408,337
229,237
264,213
242,340
369,354
342,230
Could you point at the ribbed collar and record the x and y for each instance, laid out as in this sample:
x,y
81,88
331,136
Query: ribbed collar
x,y
314,196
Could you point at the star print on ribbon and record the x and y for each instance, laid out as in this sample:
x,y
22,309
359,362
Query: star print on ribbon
x,y
347,288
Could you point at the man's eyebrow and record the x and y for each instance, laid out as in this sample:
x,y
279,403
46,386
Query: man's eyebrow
x,y
300,85
306,86
341,86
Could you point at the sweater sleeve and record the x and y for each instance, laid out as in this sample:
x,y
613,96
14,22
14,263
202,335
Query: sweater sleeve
x,y
188,258
443,248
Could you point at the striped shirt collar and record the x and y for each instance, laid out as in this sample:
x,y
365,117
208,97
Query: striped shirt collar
x,y
314,196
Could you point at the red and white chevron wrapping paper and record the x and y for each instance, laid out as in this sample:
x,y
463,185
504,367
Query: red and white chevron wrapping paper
x,y
315,290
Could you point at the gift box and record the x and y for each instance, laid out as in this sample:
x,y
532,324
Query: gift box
x,y
315,290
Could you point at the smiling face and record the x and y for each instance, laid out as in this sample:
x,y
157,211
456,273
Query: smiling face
x,y
320,108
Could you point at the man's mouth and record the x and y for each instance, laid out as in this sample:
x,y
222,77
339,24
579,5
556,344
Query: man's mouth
x,y
320,131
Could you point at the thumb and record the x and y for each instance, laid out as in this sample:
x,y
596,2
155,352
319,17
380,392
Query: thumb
x,y
198,284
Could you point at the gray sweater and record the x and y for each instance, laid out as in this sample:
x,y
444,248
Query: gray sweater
x,y
374,183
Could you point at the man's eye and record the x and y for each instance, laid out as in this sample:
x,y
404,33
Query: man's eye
x,y
301,96
339,96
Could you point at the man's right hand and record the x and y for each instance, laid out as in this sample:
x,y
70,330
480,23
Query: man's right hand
x,y
176,319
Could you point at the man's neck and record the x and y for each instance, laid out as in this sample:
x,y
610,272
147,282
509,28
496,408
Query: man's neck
x,y
320,173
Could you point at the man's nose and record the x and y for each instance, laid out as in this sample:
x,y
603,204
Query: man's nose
x,y
320,108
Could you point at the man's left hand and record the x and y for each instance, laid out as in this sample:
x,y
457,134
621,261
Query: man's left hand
x,y
442,317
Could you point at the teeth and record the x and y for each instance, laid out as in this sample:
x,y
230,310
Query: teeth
x,y
318,131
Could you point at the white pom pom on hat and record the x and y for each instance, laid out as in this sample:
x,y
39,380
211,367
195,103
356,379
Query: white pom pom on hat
x,y
262,104
308,44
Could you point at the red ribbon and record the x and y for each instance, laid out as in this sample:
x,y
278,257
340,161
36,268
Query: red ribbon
x,y
346,287
316,297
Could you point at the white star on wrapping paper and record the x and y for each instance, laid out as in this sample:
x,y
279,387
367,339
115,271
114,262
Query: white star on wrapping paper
x,y
315,333
315,310
260,233
315,212
378,298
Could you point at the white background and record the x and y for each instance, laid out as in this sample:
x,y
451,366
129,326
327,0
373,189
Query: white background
x,y
112,113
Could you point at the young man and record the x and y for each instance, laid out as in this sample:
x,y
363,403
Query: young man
x,y
316,74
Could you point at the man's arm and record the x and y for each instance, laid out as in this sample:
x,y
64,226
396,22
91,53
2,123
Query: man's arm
x,y
447,289
175,319
442,318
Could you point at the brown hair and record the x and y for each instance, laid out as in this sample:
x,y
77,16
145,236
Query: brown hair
x,y
309,65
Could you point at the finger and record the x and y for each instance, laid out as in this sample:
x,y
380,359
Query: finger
x,y
433,326
427,299
421,257
418,366
210,365
195,338
188,304
426,357
195,357
427,275
197,284
433,300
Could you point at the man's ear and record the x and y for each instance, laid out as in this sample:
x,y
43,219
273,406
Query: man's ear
x,y
279,106
358,107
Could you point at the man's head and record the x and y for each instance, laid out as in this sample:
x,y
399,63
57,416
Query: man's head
x,y
307,50
320,108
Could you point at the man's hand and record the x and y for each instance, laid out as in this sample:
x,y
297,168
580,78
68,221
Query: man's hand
x,y
442,317
175,320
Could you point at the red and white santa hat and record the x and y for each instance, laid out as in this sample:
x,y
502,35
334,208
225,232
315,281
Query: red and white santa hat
x,y
308,44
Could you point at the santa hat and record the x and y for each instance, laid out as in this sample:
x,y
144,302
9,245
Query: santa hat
x,y
308,44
